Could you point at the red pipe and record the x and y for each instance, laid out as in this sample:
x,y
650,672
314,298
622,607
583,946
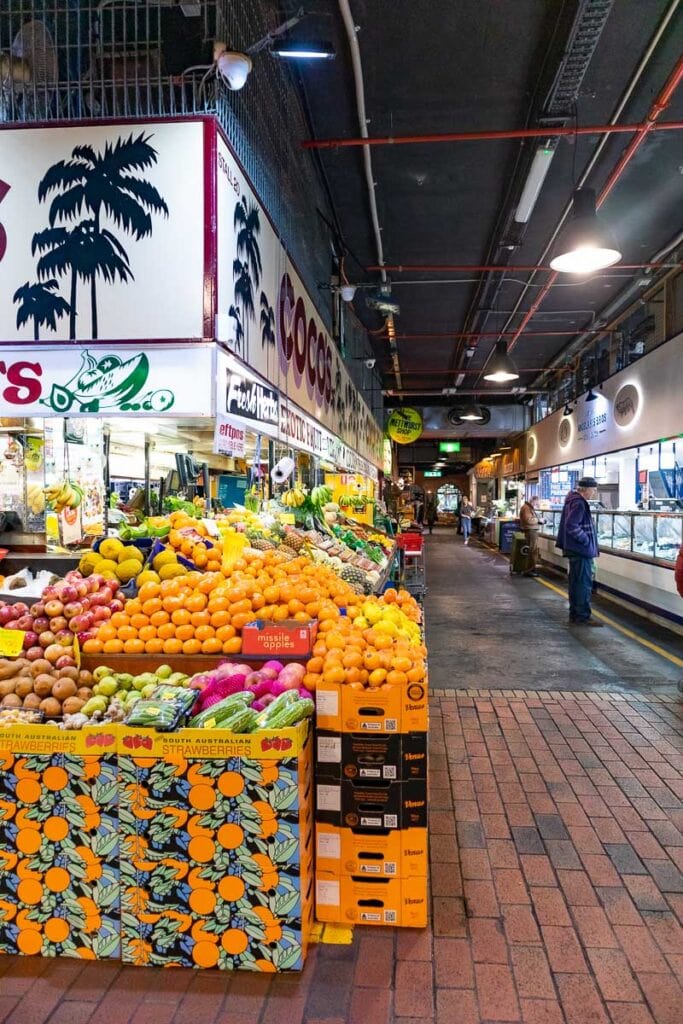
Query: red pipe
x,y
465,268
660,104
513,133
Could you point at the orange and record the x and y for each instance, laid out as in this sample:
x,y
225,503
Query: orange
x,y
240,621
56,829
184,633
234,941
191,646
152,605
55,778
220,618
231,888
201,848
402,663
377,677
204,632
159,618
56,929
205,953
202,901
113,647
202,797
28,841
181,617
371,660
127,633
230,836
416,674
200,619
167,631
147,633
334,674
29,942
230,784
173,646
148,592
155,646
57,879
107,632
233,646
139,620
93,646
136,646
172,602
212,645
196,602
119,619
258,601
396,678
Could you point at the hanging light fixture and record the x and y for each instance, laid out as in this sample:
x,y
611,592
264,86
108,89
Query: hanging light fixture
x,y
587,244
472,413
502,367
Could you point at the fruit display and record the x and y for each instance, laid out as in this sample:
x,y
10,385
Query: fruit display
x,y
40,686
35,499
66,494
114,694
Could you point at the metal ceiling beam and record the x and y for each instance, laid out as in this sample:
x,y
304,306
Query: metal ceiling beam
x,y
548,131
495,334
470,268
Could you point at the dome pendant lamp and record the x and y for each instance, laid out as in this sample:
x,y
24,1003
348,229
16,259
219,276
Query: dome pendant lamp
x,y
587,244
502,368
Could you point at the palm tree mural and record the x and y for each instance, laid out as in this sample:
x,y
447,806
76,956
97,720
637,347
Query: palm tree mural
x,y
38,302
234,313
99,184
267,321
247,267
83,253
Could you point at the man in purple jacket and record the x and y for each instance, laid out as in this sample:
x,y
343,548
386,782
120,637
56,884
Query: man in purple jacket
x,y
577,537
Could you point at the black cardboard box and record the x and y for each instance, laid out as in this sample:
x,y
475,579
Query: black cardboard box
x,y
372,805
384,757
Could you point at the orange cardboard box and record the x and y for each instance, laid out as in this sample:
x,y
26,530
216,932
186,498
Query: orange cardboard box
x,y
398,853
352,899
288,639
386,709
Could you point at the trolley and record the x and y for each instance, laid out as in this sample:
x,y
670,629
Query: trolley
x,y
412,562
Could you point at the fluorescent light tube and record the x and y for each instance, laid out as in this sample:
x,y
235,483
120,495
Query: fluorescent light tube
x,y
540,166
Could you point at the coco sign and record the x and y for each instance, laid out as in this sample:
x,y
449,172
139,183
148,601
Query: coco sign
x,y
303,345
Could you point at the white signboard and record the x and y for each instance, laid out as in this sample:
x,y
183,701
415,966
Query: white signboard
x,y
636,406
229,437
121,380
267,318
102,232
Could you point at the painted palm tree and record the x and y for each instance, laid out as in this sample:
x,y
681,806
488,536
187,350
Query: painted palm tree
x,y
83,252
234,313
244,295
247,221
40,303
267,321
104,184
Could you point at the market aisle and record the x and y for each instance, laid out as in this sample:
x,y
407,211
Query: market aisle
x,y
486,628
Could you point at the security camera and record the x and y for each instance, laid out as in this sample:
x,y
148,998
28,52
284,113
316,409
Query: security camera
x,y
370,363
233,67
347,292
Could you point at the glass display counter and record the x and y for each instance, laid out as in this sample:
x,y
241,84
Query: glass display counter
x,y
648,536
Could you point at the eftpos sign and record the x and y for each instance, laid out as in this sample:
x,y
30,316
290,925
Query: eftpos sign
x,y
249,399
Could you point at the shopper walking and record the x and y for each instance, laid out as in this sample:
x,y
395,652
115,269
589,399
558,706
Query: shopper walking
x,y
530,522
578,540
466,513
431,513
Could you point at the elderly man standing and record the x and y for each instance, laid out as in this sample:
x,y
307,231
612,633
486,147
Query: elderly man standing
x,y
578,540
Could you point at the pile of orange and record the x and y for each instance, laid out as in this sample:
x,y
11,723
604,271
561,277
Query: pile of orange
x,y
405,601
346,655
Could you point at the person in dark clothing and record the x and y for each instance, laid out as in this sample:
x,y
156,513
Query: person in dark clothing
x,y
577,538
431,515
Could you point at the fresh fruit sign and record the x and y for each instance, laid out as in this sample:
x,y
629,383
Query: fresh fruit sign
x,y
122,380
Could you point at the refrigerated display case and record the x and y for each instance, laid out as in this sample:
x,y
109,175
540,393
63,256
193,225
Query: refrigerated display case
x,y
648,536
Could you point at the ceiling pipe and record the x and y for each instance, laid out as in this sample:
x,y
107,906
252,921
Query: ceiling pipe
x,y
468,268
483,394
656,109
546,132
494,334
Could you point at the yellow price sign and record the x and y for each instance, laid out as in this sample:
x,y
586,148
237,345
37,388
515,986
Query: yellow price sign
x,y
11,642
288,518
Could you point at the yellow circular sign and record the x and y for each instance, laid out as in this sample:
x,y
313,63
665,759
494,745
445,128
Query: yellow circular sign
x,y
404,426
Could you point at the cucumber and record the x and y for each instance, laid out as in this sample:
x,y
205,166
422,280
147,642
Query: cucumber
x,y
241,720
222,709
264,717
291,714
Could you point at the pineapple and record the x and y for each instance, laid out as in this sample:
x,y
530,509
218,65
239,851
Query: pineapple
x,y
260,543
295,541
355,578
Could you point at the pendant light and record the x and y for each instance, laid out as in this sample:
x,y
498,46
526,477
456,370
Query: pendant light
x,y
472,412
502,367
587,244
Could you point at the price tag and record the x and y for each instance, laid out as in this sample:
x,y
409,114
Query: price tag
x,y
11,642
77,652
288,518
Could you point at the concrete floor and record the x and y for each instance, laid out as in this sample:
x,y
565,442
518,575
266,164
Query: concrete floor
x,y
486,628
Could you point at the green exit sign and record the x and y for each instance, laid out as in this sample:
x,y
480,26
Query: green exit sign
x,y
449,446
433,472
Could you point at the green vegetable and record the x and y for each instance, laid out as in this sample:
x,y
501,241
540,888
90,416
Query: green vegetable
x,y
154,714
242,720
223,709
181,698
264,718
291,714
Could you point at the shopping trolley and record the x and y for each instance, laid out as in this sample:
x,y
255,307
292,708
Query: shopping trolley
x,y
411,546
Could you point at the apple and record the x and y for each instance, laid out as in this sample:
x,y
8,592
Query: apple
x,y
6,614
50,593
34,653
96,581
80,623
46,638
73,608
59,622
116,605
38,609
53,653
31,640
64,637
66,661
41,623
12,624
82,589
21,609
101,613
85,635
25,622
114,585
53,608
68,593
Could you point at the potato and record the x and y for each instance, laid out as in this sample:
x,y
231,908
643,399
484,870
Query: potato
x,y
85,678
72,705
11,700
63,689
69,672
7,686
50,707
23,686
32,701
7,669
84,693
42,685
39,667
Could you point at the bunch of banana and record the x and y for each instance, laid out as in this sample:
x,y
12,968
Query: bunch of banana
x,y
321,495
36,499
64,495
294,498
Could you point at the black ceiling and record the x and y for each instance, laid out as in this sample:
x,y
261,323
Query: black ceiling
x,y
441,66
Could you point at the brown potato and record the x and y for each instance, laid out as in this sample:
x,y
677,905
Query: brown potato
x,y
42,685
72,705
85,678
40,666
63,689
68,672
11,700
50,707
84,693
32,701
23,686
7,686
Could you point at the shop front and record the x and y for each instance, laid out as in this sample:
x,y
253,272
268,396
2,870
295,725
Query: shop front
x,y
630,442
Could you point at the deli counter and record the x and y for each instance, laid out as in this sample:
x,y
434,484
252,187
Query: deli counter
x,y
637,556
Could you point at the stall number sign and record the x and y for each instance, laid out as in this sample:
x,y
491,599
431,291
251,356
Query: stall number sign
x,y
229,438
11,642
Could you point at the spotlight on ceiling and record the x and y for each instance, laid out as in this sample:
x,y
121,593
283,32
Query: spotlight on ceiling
x,y
472,413
587,244
502,368
302,49
591,396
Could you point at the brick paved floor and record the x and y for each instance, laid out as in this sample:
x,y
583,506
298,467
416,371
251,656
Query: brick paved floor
x,y
557,893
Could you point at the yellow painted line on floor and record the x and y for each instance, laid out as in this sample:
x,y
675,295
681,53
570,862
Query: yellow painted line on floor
x,y
622,629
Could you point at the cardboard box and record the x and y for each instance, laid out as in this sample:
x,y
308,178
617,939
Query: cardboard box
x,y
401,853
372,806
386,709
350,899
387,757
265,745
289,638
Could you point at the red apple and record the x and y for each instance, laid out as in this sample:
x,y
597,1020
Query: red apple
x,y
30,640
21,609
6,614
82,589
34,653
25,622
12,624
41,623
114,585
59,622
68,593
66,661
100,613
64,638
116,605
85,635
46,639
38,609
53,608
53,653
73,608
96,581
80,623
50,593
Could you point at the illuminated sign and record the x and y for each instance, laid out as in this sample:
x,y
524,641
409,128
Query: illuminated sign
x,y
433,472
449,446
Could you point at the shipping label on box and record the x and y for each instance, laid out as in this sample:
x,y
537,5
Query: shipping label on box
x,y
372,806
387,709
385,757
401,853
349,899
288,638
